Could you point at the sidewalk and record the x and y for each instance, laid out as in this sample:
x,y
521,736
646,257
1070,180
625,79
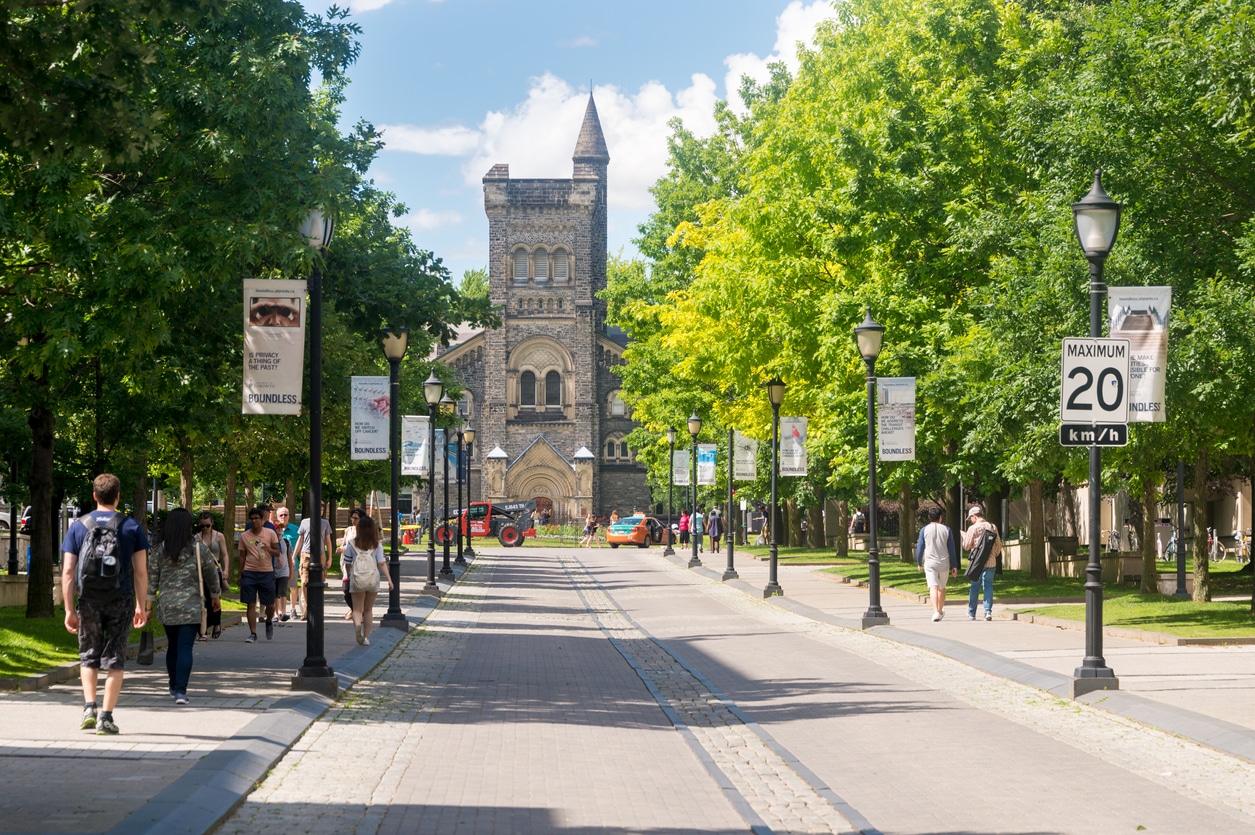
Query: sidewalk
x,y
192,763
1204,693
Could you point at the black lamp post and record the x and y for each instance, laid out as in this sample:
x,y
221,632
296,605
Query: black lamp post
x,y
695,427
729,573
1181,591
1097,221
468,437
314,674
446,570
869,336
13,522
433,390
395,342
775,394
668,551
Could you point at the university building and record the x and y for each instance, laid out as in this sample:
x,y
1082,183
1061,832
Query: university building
x,y
543,389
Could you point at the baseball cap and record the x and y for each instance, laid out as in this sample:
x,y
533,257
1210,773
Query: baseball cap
x,y
974,511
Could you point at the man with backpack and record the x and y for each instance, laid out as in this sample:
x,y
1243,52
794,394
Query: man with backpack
x,y
104,566
982,540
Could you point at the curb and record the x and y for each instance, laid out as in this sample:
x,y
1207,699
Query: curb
x,y
202,798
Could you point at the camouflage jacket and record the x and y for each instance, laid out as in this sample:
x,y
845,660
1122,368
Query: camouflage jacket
x,y
174,585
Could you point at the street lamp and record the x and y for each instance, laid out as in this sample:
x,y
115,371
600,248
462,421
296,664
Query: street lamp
x,y
468,436
775,395
669,551
729,573
314,674
447,406
433,390
869,337
1097,221
695,426
395,342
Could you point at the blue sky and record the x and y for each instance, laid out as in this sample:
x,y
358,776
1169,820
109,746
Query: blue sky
x,y
458,85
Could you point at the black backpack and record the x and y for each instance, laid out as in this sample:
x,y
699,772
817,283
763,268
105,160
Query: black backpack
x,y
979,555
99,566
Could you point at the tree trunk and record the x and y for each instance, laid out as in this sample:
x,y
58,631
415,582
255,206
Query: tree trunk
x,y
1067,509
186,478
1202,521
993,512
139,492
250,493
815,521
1036,531
43,544
228,510
843,528
907,508
954,513
1150,557
795,522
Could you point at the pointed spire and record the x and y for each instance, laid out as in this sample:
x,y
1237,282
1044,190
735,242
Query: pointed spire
x,y
591,146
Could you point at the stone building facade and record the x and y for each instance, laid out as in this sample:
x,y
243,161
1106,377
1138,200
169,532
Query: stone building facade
x,y
543,389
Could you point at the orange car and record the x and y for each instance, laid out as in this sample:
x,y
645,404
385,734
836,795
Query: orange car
x,y
641,531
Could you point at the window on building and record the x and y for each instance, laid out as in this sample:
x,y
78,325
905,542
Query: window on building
x,y
540,264
520,305
520,266
617,407
623,451
527,389
559,305
612,450
553,389
559,265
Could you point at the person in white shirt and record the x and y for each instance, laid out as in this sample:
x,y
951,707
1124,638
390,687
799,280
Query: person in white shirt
x,y
934,553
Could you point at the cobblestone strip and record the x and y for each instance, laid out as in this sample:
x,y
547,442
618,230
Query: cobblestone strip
x,y
343,773
767,790
1195,771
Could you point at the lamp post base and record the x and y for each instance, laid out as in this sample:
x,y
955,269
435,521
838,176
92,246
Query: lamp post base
x,y
871,619
695,562
431,590
772,590
447,573
1088,679
668,551
730,574
459,560
468,551
395,620
316,680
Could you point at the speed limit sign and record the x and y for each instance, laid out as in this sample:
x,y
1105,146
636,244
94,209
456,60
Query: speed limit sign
x,y
1095,381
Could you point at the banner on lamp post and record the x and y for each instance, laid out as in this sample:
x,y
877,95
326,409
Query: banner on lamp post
x,y
415,456
793,446
895,414
1140,315
369,410
744,458
274,346
680,467
706,456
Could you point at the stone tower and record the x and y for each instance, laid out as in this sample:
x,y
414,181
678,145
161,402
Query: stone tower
x,y
543,388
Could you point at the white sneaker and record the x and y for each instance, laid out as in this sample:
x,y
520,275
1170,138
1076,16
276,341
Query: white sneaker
x,y
936,616
941,615
365,642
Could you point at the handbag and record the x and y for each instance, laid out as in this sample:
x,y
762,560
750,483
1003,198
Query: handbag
x,y
145,655
200,583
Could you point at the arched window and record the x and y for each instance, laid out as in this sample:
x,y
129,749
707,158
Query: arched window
x,y
520,266
623,451
553,389
520,305
540,265
559,304
617,407
560,265
612,450
527,389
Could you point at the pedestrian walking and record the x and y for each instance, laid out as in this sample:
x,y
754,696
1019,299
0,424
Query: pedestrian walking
x,y
978,527
304,547
698,526
283,573
355,517
259,546
685,522
216,543
590,530
858,524
290,533
104,567
364,561
936,556
714,526
182,573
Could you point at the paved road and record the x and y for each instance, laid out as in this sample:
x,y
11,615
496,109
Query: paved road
x,y
612,691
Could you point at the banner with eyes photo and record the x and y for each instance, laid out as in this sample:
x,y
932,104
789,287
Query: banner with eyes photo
x,y
274,346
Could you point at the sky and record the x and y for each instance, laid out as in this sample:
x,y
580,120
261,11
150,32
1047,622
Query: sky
x,y
457,86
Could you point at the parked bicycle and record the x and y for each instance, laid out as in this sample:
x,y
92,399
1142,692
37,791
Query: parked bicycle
x,y
1216,549
1242,546
1113,541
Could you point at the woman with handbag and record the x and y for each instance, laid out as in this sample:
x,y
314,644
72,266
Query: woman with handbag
x,y
180,571
364,562
217,545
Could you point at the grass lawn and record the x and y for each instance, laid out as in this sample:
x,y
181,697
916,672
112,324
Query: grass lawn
x,y
30,646
1160,613
1007,585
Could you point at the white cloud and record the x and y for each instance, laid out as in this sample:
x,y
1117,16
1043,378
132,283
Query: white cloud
x,y
358,6
796,23
455,141
426,219
582,40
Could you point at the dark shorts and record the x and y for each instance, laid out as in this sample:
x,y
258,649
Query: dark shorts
x,y
281,586
104,630
255,585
